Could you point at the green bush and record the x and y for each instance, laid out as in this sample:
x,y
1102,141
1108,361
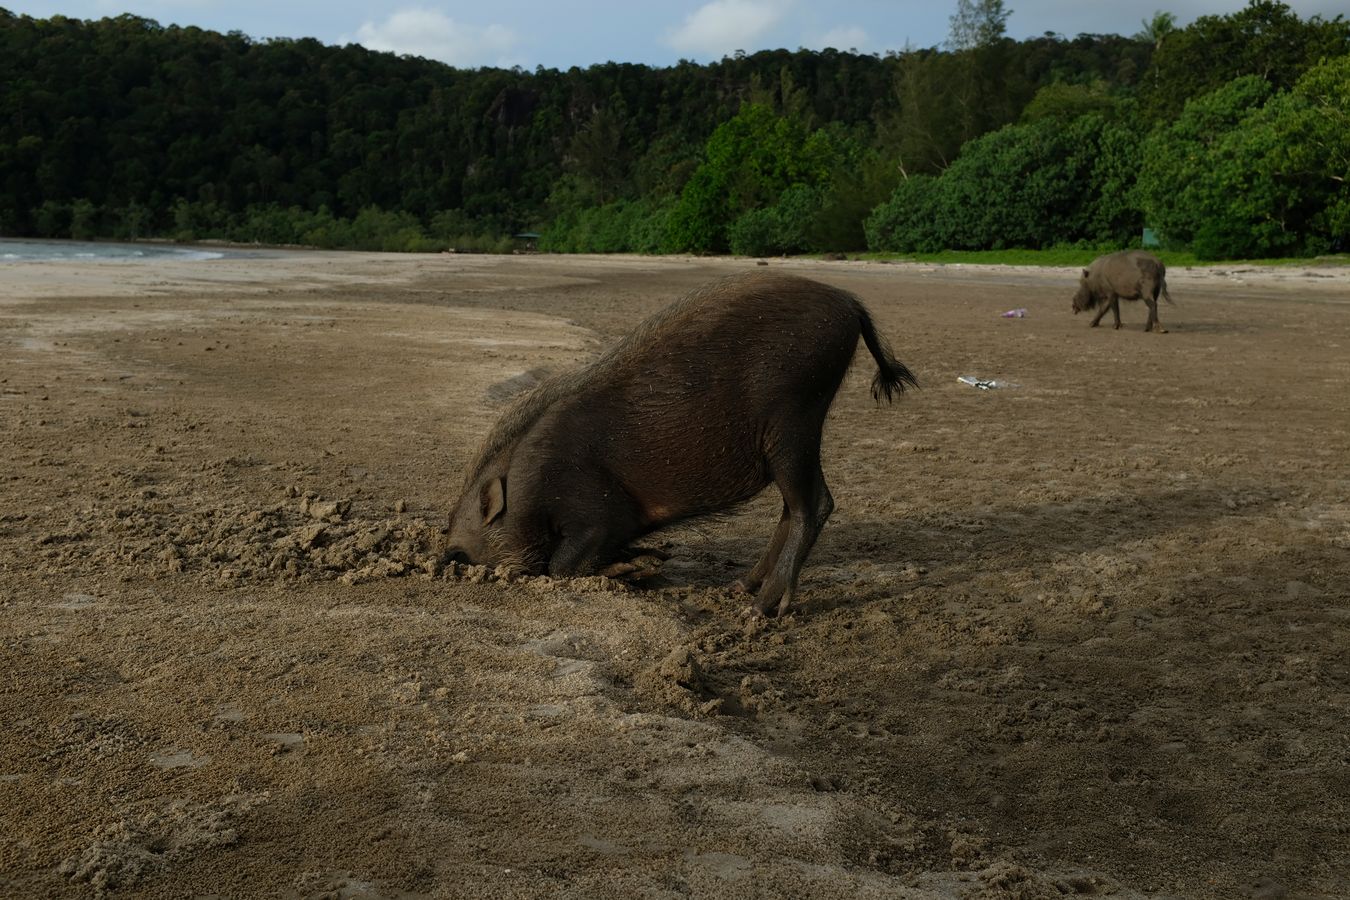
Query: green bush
x,y
648,233
1115,218
52,220
192,221
1178,187
625,226
1034,185
748,162
132,222
84,221
756,233
782,228
1246,172
846,203
908,221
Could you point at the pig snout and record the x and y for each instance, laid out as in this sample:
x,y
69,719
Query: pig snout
x,y
457,556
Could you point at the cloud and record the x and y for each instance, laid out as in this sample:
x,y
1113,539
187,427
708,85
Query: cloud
x,y
417,31
843,37
719,27
146,8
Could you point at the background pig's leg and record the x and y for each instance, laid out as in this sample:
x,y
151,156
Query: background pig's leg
x,y
1154,323
1101,312
809,504
750,582
1115,310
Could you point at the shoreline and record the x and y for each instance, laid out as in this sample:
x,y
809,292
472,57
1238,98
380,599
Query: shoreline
x,y
288,270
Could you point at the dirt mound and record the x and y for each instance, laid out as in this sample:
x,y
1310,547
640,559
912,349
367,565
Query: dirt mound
x,y
306,537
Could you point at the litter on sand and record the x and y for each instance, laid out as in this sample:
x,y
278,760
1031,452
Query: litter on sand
x,y
1019,313
983,383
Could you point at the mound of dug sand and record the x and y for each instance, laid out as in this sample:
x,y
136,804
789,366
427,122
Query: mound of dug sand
x,y
304,537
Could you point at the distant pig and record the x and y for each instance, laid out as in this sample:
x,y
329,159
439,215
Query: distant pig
x,y
699,409
1127,275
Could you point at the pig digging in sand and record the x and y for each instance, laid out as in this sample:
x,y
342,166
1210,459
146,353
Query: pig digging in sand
x,y
1127,275
699,409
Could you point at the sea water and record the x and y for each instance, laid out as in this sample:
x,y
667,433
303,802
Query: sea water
x,y
16,250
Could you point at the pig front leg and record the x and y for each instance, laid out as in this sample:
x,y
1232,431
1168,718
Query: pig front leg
x,y
579,553
592,553
1096,320
591,526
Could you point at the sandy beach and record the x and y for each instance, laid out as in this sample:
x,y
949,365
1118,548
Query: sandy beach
x,y
1084,636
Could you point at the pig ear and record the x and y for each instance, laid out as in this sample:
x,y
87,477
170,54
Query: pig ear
x,y
1085,273
493,500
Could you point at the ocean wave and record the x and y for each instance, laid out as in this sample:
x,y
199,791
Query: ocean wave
x,y
22,250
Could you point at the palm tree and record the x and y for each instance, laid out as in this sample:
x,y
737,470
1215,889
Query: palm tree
x,y
1160,26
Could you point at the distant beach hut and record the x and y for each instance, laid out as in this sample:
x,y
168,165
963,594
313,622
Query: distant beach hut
x,y
527,241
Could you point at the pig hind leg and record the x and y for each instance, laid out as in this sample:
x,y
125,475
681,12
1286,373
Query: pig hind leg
x,y
750,582
808,504
1154,323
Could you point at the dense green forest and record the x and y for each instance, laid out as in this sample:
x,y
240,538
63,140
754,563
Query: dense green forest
x,y
1230,136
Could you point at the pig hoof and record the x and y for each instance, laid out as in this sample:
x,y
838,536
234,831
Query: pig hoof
x,y
1094,324
619,570
772,607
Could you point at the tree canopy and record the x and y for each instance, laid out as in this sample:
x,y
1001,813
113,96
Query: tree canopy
x,y
122,127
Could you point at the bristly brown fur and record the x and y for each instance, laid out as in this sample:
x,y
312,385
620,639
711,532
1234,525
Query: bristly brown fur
x,y
526,410
892,376
523,412
699,409
525,559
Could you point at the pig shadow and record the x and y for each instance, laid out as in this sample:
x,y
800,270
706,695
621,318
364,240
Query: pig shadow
x,y
965,544
1184,328
1039,531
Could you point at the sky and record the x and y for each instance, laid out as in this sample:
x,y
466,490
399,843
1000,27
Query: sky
x,y
560,34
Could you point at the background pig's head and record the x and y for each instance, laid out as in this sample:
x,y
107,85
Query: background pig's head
x,y
1083,298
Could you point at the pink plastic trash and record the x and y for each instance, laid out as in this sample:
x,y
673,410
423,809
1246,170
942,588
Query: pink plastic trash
x,y
1019,313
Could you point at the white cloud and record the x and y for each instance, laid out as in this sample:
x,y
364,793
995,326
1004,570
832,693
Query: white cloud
x,y
417,31
719,27
147,8
843,37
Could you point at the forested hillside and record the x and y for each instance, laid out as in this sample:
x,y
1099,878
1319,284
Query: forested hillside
x,y
124,128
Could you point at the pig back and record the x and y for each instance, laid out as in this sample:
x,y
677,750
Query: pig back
x,y
687,411
1129,273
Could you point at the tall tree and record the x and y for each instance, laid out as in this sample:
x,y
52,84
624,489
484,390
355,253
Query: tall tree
x,y
1158,27
977,23
1266,39
977,30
